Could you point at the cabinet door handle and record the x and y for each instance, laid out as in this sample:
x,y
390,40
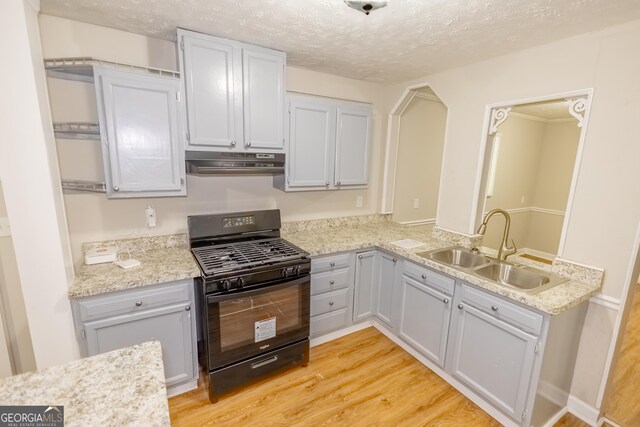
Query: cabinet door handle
x,y
187,308
116,188
460,306
424,276
494,307
446,300
248,144
338,183
359,256
138,303
233,143
395,260
332,264
332,282
330,302
326,183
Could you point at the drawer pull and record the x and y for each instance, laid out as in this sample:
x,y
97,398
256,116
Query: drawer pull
x,y
187,308
332,264
359,256
138,303
332,282
330,302
424,276
460,306
446,300
395,260
264,362
494,307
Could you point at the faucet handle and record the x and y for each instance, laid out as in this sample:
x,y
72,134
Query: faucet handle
x,y
513,246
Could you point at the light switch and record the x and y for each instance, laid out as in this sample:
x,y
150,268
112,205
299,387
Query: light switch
x,y
359,202
5,230
416,203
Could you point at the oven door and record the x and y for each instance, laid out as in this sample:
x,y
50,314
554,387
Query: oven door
x,y
246,323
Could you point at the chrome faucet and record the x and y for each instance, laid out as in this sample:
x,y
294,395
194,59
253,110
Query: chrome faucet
x,y
504,250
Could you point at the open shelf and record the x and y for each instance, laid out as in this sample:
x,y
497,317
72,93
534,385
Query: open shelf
x,y
81,68
83,186
76,130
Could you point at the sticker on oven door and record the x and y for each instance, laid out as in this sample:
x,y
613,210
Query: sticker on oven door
x,y
265,329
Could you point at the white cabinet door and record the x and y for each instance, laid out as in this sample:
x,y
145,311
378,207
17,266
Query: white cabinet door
x,y
143,155
386,288
170,325
211,69
263,85
493,358
311,136
365,284
424,319
352,146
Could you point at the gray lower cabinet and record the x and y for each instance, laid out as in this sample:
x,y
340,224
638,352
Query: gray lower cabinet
x,y
424,319
365,285
164,313
386,287
331,293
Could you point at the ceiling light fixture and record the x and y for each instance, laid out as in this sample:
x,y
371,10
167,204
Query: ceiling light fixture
x,y
365,6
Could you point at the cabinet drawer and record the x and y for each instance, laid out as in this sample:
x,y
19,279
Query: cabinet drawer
x,y
321,304
330,263
428,277
504,310
329,322
134,300
329,281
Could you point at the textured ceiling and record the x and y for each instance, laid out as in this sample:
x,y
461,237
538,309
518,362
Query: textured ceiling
x,y
405,40
547,110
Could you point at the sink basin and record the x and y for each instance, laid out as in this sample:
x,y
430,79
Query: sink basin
x,y
527,279
457,256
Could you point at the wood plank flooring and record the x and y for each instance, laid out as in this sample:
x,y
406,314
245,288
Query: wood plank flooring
x,y
362,379
623,401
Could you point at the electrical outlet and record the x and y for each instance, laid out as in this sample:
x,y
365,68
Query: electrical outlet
x,y
150,213
416,203
359,202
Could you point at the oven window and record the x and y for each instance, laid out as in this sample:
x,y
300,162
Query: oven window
x,y
247,320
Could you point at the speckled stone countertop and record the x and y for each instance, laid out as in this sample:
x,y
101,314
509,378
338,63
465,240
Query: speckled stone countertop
x,y
341,238
162,259
122,387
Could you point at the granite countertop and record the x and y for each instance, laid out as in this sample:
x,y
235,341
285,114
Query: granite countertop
x,y
349,237
122,387
159,265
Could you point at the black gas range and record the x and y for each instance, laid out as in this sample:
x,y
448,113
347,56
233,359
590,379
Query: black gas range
x,y
255,297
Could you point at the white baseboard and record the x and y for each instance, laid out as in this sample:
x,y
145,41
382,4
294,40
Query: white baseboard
x,y
587,413
431,221
557,417
553,393
606,301
602,420
182,388
340,333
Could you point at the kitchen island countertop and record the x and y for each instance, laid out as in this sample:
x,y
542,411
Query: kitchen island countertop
x,y
122,387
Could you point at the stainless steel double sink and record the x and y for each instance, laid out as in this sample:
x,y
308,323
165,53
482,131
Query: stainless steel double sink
x,y
504,273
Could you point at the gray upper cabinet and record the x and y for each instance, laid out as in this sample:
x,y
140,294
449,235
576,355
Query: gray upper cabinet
x,y
386,288
310,159
494,358
213,109
352,146
365,285
234,94
263,78
328,144
424,319
142,150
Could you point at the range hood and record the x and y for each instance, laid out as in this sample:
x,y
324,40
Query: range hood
x,y
213,162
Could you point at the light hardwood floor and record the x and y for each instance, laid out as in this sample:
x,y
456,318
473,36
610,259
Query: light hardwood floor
x,y
362,379
623,402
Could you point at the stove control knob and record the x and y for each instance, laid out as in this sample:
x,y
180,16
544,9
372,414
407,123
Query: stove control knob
x,y
296,270
240,281
226,285
284,272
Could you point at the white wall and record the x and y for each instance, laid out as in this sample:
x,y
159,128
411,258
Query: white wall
x,y
420,145
29,174
606,206
92,217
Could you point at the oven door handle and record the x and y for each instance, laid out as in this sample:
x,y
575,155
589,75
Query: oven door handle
x,y
212,299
